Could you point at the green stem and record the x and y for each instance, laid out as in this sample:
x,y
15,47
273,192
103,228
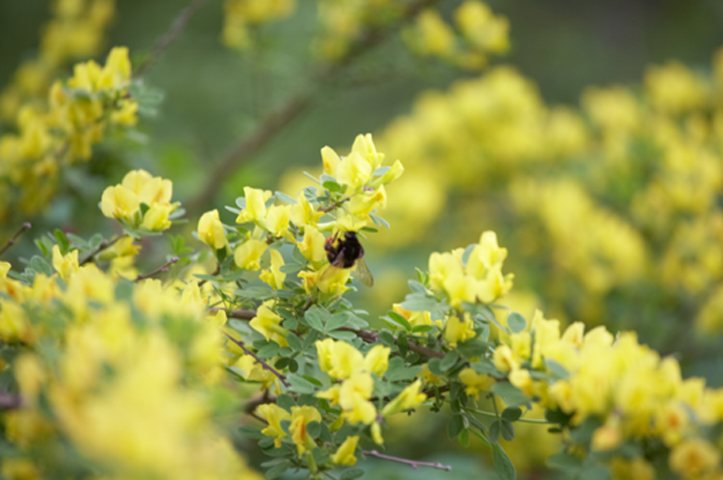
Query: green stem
x,y
495,415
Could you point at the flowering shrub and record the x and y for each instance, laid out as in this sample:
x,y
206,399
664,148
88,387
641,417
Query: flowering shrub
x,y
180,365
139,377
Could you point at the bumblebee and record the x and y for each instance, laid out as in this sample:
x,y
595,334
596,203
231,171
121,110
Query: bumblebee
x,y
346,252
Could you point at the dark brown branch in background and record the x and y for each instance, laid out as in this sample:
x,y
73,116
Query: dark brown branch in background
x,y
411,463
26,226
278,119
170,36
161,269
263,364
103,245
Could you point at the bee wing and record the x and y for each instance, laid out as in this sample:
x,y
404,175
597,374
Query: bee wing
x,y
362,270
330,270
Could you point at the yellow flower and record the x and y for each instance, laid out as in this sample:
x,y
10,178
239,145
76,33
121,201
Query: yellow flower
x,y
255,210
156,218
300,418
303,213
312,246
459,331
354,396
376,360
521,344
344,359
608,436
504,359
345,453
364,146
274,415
65,265
694,457
277,220
210,230
475,382
248,255
135,180
274,277
119,202
156,191
522,379
354,171
546,332
408,399
268,324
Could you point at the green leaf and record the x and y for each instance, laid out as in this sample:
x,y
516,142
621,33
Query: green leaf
x,y
398,320
337,320
268,351
512,395
313,429
78,242
386,337
463,438
300,385
379,220
314,317
312,380
558,371
507,430
342,335
467,252
256,293
351,474
512,414
422,328
251,432
40,265
284,197
398,371
455,426
472,348
419,303
503,465
277,470
294,342
484,365
62,240
516,322
495,431
285,401
448,361
417,287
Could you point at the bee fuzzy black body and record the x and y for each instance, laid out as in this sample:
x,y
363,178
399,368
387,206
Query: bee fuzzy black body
x,y
346,252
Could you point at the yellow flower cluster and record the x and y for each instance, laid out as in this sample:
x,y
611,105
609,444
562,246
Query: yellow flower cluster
x,y
626,386
632,175
476,278
76,30
141,201
116,380
479,34
357,182
240,15
76,117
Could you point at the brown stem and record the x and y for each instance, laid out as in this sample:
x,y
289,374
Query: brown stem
x,y
278,119
263,364
373,337
8,401
161,269
215,272
170,36
239,314
411,463
260,400
333,205
103,245
24,228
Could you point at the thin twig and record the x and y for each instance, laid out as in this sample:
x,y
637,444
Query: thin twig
x,y
278,119
239,314
26,226
170,36
161,269
263,364
411,463
373,337
103,245
334,205
215,272
260,400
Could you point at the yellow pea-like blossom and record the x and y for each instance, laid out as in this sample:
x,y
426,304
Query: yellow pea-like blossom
x,y
248,254
274,415
65,264
300,418
119,202
210,230
408,399
475,382
268,324
376,360
344,455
